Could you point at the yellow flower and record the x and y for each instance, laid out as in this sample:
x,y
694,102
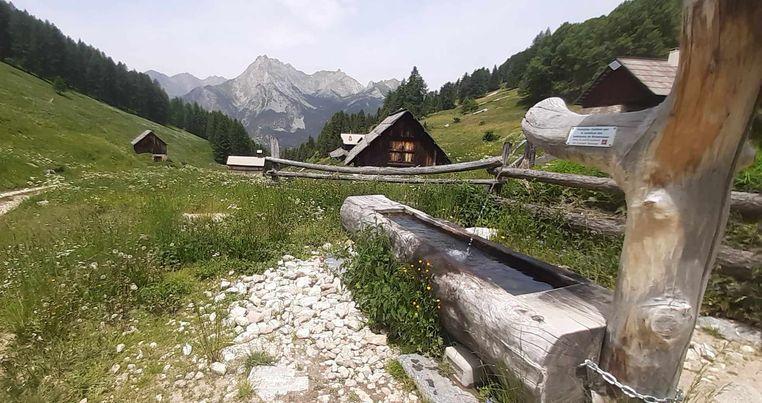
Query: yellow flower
x,y
428,287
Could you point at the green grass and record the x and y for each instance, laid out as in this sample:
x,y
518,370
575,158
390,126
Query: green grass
x,y
257,359
42,130
395,370
463,141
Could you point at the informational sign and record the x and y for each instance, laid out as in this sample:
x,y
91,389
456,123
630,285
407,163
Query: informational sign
x,y
592,136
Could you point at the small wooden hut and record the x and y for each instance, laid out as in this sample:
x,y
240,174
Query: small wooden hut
x,y
630,84
149,142
399,140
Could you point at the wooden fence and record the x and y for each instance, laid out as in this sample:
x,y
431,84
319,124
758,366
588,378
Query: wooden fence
x,y
737,263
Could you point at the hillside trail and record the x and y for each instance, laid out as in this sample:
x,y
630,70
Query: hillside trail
x,y
12,199
9,201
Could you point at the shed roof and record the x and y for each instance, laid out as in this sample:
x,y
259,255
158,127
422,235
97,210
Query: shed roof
x,y
351,139
143,135
338,153
380,129
657,75
242,161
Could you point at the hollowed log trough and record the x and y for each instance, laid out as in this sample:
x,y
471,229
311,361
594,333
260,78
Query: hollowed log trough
x,y
534,320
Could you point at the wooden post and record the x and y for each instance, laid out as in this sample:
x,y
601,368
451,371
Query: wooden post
x,y
675,163
275,153
530,153
495,189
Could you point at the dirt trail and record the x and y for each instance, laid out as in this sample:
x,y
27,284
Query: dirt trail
x,y
11,200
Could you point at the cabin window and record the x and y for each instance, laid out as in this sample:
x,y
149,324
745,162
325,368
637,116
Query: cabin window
x,y
402,151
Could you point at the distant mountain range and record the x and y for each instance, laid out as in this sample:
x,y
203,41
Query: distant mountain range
x,y
181,84
272,98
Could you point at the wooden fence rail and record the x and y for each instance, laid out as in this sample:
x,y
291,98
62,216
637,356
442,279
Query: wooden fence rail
x,y
488,163
748,205
733,262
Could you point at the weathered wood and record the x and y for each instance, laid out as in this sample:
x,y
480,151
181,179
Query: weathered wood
x,y
733,262
570,180
271,166
539,337
747,205
506,154
382,178
675,163
369,170
530,154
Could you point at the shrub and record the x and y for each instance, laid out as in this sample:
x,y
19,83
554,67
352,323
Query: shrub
x,y
469,105
455,119
489,135
167,294
394,296
59,85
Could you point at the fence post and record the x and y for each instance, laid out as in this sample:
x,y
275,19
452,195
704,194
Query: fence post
x,y
506,155
275,153
675,163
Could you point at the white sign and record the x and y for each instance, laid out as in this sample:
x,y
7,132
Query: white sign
x,y
591,136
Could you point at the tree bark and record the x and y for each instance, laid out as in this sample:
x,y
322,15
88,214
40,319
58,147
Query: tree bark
x,y
675,163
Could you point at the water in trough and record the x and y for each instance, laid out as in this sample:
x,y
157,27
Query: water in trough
x,y
523,279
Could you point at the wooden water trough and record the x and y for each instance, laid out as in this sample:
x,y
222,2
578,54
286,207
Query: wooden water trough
x,y
519,314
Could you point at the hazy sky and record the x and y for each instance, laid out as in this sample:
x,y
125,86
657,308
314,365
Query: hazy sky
x,y
370,40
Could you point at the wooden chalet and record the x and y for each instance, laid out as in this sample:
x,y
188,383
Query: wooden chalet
x,y
243,163
630,84
148,142
398,141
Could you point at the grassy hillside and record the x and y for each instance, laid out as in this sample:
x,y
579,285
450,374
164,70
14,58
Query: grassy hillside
x,y
463,141
72,133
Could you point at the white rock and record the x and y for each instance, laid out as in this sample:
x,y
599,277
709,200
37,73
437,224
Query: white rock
x,y
376,339
158,398
218,368
187,349
224,284
272,381
115,368
119,348
303,333
241,321
747,349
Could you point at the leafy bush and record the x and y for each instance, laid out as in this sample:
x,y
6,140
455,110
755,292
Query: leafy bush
x,y
166,295
489,135
395,297
59,85
469,105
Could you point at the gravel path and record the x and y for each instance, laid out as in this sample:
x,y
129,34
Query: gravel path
x,y
301,315
10,200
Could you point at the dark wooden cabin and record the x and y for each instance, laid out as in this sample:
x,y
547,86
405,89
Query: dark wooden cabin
x,y
399,141
630,84
149,143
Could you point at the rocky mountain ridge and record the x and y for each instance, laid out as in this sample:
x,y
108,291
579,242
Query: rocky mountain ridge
x,y
274,99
